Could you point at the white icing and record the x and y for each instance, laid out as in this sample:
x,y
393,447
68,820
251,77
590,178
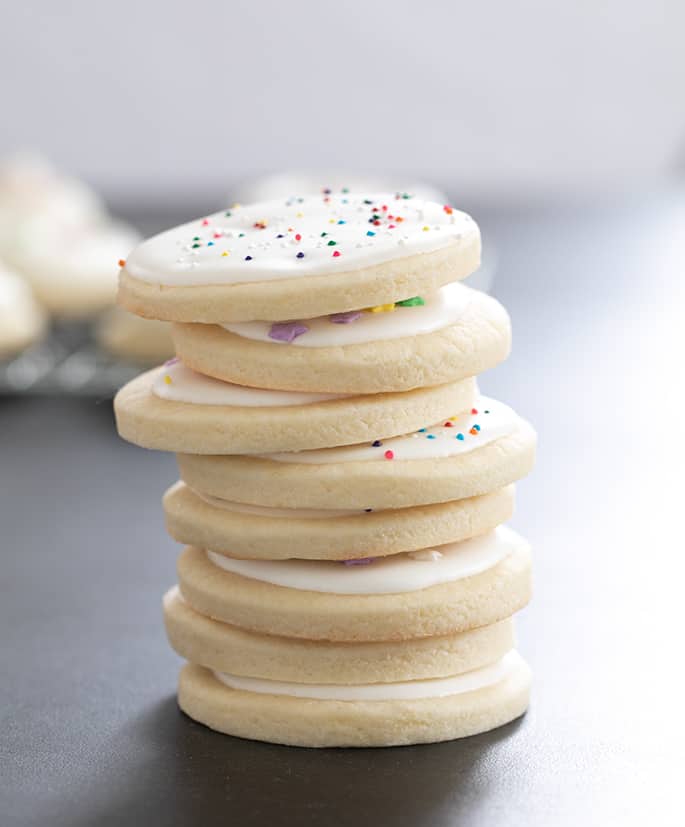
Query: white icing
x,y
436,442
488,675
264,511
396,574
178,383
194,253
441,309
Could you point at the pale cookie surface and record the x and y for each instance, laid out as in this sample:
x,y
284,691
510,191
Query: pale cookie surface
x,y
230,419
306,722
227,648
144,341
22,321
420,472
454,334
278,534
313,256
446,608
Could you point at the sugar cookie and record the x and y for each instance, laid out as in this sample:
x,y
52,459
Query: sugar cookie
x,y
227,648
455,333
306,722
278,534
446,608
383,474
174,409
308,257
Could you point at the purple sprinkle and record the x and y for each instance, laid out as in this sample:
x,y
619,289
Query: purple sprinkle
x,y
368,510
360,561
300,254
173,361
345,318
376,444
248,258
287,331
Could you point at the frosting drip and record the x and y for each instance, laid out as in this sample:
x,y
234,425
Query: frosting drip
x,y
304,236
177,383
487,421
404,691
439,310
396,574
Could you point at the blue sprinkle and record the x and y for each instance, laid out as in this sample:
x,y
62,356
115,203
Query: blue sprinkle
x,y
430,436
210,243
342,222
377,444
422,430
370,233
460,436
477,427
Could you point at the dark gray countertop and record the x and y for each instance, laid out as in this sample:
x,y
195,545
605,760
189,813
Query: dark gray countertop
x,y
90,731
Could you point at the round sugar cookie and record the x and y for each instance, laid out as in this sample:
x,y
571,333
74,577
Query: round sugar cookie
x,y
227,648
307,722
429,466
175,409
125,336
455,333
22,321
279,534
310,256
442,609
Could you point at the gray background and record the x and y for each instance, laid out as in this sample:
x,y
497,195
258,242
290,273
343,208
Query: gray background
x,y
147,99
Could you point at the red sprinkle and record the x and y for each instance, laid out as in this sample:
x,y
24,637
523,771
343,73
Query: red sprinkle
x,y
474,411
298,237
122,262
216,235
448,425
389,455
205,222
336,254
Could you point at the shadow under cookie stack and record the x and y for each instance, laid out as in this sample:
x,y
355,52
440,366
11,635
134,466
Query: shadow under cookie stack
x,y
346,580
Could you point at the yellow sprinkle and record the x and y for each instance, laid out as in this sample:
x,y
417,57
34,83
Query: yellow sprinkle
x,y
225,253
425,229
382,308
299,214
453,418
331,220
167,379
236,206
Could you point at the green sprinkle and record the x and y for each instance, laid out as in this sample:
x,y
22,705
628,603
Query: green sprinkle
x,y
195,245
332,243
414,302
323,234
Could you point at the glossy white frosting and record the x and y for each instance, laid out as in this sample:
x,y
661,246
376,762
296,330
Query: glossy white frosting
x,y
305,236
440,309
264,511
178,383
493,419
488,675
396,574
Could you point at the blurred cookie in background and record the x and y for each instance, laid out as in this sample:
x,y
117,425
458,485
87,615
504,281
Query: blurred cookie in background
x,y
132,338
283,184
22,321
56,233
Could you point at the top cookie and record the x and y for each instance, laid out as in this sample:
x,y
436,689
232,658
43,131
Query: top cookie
x,y
305,256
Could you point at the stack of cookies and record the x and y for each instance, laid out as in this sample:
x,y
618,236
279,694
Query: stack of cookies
x,y
346,580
